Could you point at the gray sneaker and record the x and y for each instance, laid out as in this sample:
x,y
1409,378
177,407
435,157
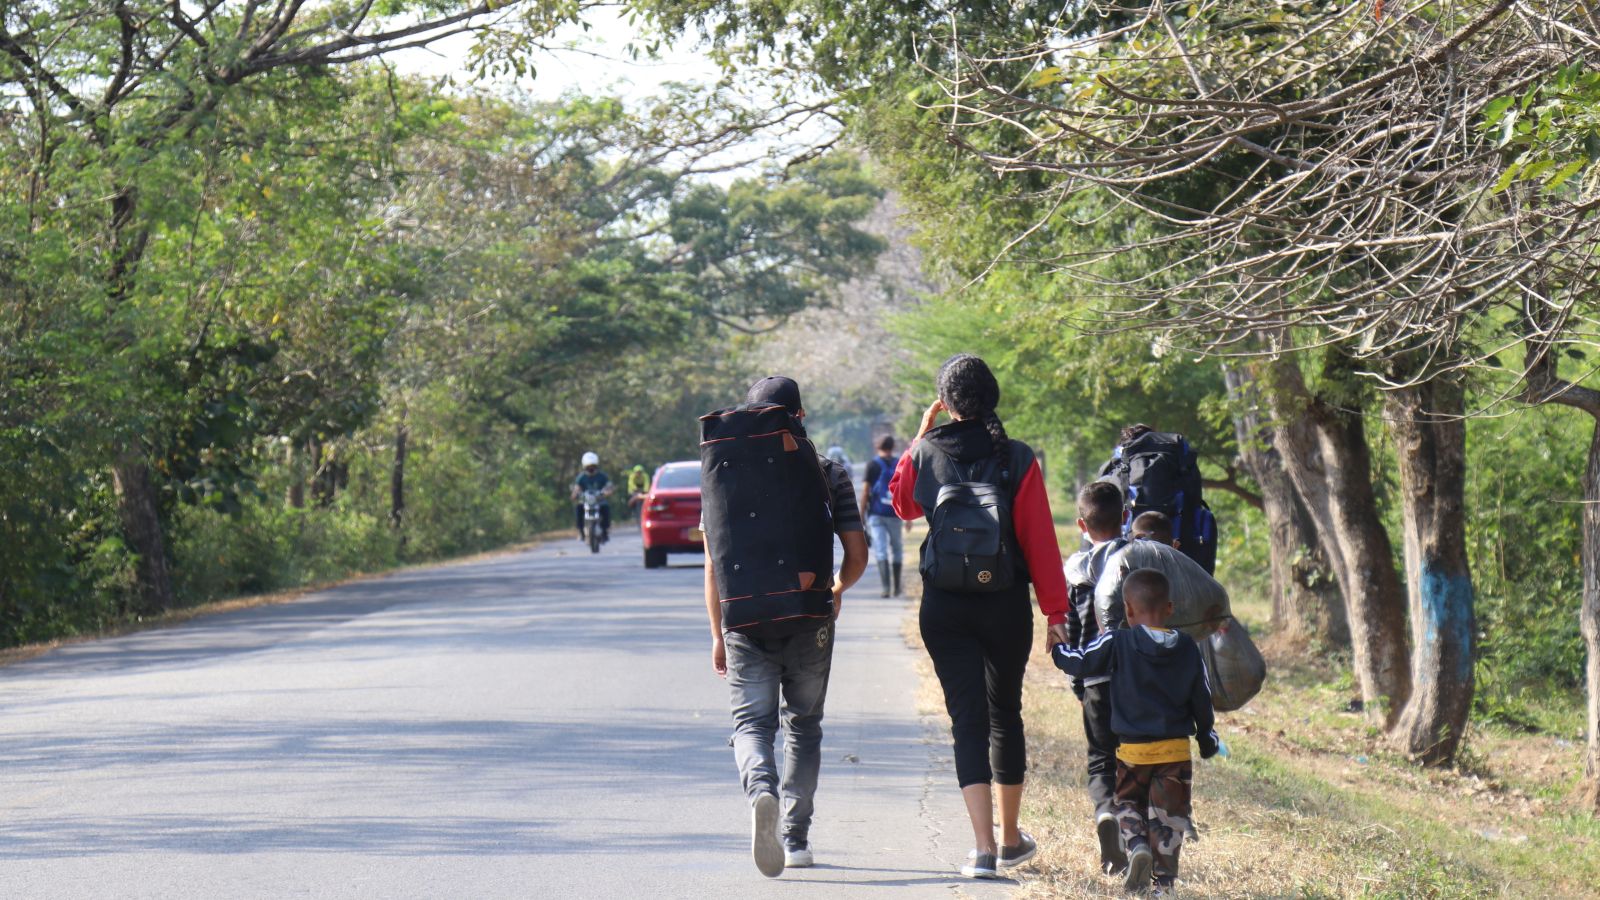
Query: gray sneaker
x,y
797,855
765,848
979,865
1112,859
1139,863
1025,850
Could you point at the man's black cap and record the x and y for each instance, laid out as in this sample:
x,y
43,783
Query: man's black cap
x,y
775,389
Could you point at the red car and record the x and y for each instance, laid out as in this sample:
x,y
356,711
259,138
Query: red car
x,y
670,517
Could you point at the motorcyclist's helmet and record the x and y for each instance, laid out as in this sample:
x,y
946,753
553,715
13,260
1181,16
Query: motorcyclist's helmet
x,y
591,459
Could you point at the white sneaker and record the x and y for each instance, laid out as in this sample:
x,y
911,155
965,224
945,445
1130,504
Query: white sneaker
x,y
765,848
797,856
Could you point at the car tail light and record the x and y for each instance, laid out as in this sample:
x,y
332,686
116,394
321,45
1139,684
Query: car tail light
x,y
660,506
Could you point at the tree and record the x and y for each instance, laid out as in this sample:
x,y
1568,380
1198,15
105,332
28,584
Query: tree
x,y
124,106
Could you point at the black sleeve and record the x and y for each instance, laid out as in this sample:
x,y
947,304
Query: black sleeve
x,y
1205,719
874,469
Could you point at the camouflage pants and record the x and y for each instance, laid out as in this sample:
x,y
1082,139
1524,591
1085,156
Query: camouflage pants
x,y
1152,809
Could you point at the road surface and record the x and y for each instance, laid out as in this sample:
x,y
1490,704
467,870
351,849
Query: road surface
x,y
542,724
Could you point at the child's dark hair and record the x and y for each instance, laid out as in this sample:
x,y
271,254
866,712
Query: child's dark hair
x,y
886,443
968,389
1152,525
1133,433
1145,589
1100,506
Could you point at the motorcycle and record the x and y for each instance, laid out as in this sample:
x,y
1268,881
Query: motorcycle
x,y
591,520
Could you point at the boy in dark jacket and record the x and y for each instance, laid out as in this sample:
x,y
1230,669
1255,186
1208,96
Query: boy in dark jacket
x,y
1159,698
1100,519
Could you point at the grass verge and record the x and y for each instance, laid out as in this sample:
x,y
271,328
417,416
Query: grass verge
x,y
174,617
1312,804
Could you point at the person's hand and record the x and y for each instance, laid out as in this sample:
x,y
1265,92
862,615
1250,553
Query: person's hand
x,y
1056,634
838,601
929,417
719,657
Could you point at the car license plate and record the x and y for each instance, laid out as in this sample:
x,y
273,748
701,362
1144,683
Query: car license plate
x,y
692,534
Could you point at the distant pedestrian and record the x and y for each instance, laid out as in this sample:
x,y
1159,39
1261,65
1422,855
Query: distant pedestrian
x,y
1159,698
969,478
773,637
883,526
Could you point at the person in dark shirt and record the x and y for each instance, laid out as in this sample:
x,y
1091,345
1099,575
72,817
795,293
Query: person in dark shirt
x,y
773,678
1159,699
592,479
883,526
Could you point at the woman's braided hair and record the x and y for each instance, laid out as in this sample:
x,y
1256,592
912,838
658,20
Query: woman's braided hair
x,y
968,389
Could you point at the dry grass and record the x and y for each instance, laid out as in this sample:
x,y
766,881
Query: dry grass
x,y
1311,804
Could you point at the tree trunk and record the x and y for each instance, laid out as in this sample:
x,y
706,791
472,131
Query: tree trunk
x,y
1589,618
1431,444
1307,607
1545,386
294,460
397,482
1324,450
140,512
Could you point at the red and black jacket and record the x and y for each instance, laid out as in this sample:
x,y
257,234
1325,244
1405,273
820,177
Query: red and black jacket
x,y
931,463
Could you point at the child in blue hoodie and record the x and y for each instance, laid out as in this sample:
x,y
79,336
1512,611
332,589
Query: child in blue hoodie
x,y
1159,698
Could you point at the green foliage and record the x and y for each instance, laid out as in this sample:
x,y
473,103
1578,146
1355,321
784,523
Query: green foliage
x,y
312,266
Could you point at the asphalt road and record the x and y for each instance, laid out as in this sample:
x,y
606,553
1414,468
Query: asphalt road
x,y
536,725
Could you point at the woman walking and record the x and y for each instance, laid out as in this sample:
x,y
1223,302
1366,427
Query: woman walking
x,y
979,639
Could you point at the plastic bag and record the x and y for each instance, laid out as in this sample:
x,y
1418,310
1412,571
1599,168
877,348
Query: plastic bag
x,y
1235,669
1199,602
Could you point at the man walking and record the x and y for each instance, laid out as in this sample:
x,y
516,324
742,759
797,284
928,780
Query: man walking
x,y
781,669
883,526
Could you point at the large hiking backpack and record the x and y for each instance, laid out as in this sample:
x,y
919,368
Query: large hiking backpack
x,y
1159,471
768,523
970,546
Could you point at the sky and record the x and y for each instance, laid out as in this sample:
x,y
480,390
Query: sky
x,y
595,61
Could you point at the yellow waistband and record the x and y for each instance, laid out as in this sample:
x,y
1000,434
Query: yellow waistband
x,y
1154,753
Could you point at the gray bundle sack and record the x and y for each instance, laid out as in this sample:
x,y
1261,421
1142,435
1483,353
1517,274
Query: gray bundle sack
x,y
1199,602
1235,669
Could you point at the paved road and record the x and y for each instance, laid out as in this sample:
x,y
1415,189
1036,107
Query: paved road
x,y
537,725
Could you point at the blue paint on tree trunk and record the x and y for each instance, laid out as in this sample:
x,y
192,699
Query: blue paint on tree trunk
x,y
1447,615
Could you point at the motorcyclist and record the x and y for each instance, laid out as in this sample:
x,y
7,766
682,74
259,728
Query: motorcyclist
x,y
638,486
592,479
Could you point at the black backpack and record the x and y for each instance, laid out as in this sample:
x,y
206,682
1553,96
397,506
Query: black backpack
x,y
768,520
1160,472
970,547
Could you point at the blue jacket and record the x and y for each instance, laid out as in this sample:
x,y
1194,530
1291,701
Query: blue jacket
x,y
1158,684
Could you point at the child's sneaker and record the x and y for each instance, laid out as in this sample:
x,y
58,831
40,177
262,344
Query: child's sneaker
x,y
1112,859
1139,863
1166,890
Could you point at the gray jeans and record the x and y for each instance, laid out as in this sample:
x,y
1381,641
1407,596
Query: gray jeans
x,y
758,672
887,542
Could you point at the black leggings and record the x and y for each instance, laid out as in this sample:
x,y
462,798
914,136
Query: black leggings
x,y
980,645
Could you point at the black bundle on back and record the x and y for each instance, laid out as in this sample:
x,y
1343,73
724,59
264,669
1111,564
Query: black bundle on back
x,y
1160,471
769,528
